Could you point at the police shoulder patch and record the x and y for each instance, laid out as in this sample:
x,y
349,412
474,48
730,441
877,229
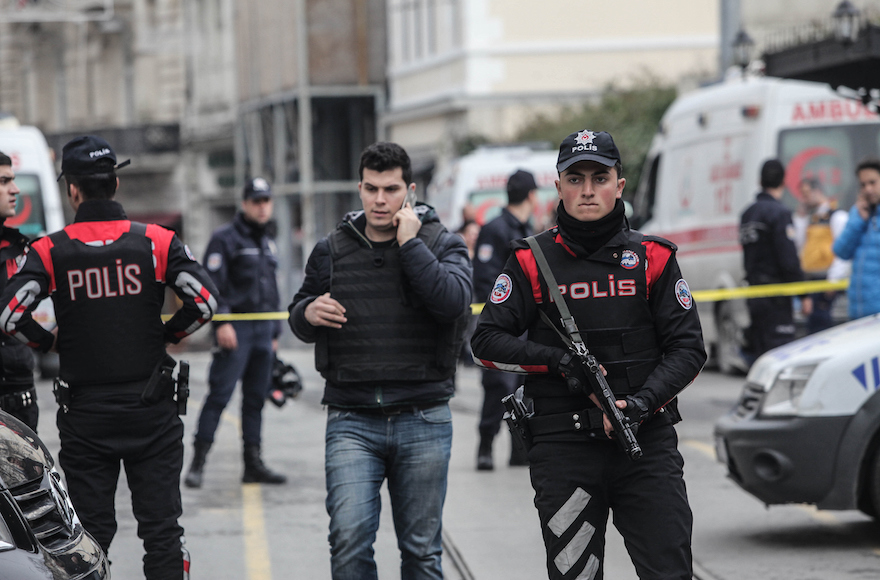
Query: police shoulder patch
x,y
501,290
214,262
484,252
683,294
188,253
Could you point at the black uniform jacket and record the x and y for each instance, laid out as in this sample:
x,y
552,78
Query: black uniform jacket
x,y
632,284
242,260
17,360
493,249
441,282
107,278
767,237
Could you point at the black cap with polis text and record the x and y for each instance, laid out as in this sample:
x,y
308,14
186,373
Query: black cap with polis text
x,y
88,155
257,188
587,145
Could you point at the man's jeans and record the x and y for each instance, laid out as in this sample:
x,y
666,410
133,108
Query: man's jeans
x,y
412,450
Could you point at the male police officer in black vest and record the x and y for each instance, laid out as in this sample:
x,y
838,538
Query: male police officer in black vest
x,y
386,299
107,278
242,260
493,249
18,397
626,294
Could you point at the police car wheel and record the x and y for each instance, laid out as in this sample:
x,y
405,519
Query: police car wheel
x,y
869,503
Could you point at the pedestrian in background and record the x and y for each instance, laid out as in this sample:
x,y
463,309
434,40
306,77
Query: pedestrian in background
x,y
769,257
107,277
385,299
18,396
493,249
627,296
242,260
817,224
860,242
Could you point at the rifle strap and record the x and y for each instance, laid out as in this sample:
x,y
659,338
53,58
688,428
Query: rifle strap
x,y
566,318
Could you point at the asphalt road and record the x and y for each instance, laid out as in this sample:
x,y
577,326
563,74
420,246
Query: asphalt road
x,y
254,532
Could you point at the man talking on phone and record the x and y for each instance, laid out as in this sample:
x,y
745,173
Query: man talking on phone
x,y
386,299
860,242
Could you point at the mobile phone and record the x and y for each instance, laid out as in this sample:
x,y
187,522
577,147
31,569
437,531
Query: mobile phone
x,y
409,199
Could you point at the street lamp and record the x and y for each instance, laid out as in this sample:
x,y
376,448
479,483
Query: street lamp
x,y
742,49
846,18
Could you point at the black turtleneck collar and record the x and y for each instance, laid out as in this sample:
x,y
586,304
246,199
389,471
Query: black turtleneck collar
x,y
591,235
99,210
254,229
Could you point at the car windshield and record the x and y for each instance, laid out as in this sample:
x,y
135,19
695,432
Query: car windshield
x,y
829,154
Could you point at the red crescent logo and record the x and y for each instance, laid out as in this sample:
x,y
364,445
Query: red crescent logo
x,y
795,171
22,216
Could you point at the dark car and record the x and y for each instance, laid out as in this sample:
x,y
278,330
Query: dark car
x,y
41,537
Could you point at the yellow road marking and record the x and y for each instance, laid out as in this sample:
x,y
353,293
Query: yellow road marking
x,y
703,448
256,544
823,516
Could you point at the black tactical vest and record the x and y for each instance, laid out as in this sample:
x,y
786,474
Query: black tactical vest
x,y
107,304
389,334
607,296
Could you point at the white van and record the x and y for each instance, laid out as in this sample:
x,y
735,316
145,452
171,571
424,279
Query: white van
x,y
703,167
478,182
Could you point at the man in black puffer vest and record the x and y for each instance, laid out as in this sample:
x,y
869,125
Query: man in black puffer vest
x,y
386,298
633,308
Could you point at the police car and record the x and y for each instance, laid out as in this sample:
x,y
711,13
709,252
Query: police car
x,y
806,428
41,537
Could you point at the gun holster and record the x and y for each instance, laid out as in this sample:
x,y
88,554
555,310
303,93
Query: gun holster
x,y
162,384
61,390
517,414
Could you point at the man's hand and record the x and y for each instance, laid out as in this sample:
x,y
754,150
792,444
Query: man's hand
x,y
226,337
407,223
634,409
326,311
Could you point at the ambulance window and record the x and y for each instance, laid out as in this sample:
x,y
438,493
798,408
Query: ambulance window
x,y
29,217
643,203
829,154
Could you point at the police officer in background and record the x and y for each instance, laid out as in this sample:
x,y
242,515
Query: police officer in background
x,y
242,260
107,277
493,249
626,293
18,397
770,257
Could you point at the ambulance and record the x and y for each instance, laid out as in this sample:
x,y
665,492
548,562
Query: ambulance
x,y
38,210
476,184
703,167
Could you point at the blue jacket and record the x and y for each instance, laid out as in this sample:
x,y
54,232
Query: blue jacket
x,y
860,242
242,260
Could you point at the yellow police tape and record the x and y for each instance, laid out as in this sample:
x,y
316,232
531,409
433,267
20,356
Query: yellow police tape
x,y
717,295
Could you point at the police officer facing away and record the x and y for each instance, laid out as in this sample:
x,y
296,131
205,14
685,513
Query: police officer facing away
x,y
627,296
770,257
107,278
493,249
386,299
18,397
242,260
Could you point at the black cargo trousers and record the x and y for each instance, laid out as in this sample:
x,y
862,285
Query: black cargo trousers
x,y
105,427
577,482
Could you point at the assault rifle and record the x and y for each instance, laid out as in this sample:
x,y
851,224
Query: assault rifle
x,y
599,387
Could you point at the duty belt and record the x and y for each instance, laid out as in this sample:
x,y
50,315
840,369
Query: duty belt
x,y
566,422
21,400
